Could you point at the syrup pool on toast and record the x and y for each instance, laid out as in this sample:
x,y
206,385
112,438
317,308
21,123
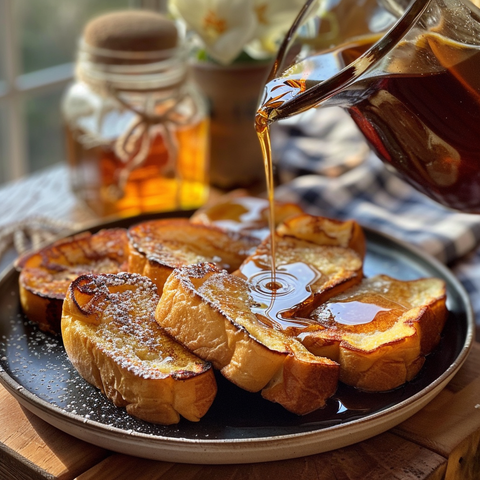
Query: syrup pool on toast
x,y
277,298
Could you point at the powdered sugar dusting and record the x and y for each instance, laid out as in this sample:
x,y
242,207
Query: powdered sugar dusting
x,y
128,332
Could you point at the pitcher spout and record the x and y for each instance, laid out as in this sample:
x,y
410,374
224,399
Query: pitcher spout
x,y
409,81
331,47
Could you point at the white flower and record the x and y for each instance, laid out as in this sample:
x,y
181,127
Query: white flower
x,y
225,26
274,18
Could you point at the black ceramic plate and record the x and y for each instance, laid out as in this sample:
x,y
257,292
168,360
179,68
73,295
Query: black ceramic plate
x,y
240,426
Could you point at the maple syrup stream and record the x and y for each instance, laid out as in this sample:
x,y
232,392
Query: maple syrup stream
x,y
280,291
279,92
263,133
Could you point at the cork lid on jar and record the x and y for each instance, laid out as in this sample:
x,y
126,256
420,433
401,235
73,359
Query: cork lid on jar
x,y
130,32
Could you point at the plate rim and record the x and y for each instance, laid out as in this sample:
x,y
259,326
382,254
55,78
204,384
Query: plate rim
x,y
261,448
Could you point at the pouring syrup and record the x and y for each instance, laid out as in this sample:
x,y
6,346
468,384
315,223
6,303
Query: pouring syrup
x,y
282,289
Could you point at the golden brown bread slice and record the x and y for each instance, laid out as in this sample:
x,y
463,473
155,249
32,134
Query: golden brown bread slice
x,y
211,313
379,331
237,211
328,269
112,339
158,246
325,231
46,274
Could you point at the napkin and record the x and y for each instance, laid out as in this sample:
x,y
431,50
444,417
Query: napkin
x,y
324,164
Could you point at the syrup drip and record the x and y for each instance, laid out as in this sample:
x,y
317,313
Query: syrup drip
x,y
278,292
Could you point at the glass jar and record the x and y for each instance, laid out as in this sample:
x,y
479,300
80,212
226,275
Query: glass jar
x,y
137,130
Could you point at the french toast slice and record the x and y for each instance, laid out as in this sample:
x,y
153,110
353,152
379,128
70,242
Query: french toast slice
x,y
112,339
321,271
46,274
211,312
378,331
157,247
239,212
325,231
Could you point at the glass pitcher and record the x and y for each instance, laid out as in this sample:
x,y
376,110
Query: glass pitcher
x,y
408,73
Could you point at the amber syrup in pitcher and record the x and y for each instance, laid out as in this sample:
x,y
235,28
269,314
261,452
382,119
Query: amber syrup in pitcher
x,y
420,116
427,125
404,94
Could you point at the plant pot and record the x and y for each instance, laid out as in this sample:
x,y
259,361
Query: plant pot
x,y
233,93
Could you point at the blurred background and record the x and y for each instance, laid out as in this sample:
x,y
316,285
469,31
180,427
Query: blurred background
x,y
38,41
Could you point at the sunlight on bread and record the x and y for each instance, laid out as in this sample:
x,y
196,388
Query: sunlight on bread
x,y
46,274
111,337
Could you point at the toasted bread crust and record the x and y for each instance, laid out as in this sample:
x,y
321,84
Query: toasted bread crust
x,y
159,246
325,231
239,212
46,274
389,350
112,339
209,311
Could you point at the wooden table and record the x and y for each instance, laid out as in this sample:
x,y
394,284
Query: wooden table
x,y
439,442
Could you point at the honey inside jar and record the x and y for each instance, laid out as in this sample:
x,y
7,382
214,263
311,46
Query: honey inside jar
x,y
153,186
137,128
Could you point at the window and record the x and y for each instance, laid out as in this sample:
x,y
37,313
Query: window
x,y
38,41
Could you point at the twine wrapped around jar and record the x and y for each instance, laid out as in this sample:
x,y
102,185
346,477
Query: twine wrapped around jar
x,y
133,145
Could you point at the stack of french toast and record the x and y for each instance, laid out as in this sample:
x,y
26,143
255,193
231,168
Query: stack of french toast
x,y
147,313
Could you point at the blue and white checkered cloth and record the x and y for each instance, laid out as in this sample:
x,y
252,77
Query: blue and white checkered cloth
x,y
325,166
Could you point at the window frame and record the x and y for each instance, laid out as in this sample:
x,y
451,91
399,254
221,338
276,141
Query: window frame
x,y
16,87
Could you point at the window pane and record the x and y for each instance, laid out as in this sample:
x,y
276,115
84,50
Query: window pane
x,y
49,29
45,136
3,45
3,143
2,62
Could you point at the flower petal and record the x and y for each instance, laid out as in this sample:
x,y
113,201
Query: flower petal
x,y
274,19
225,26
